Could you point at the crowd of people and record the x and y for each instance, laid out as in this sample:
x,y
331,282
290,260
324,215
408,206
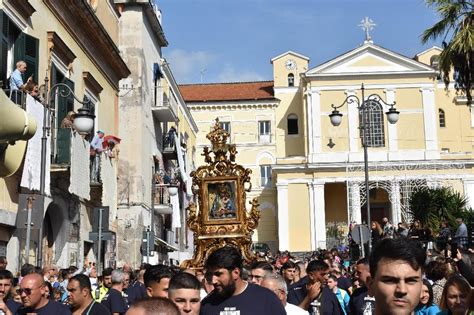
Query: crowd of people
x,y
397,278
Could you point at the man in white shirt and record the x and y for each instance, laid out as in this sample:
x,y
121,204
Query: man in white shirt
x,y
277,284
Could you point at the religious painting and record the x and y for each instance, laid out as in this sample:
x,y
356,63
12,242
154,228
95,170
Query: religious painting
x,y
222,199
222,202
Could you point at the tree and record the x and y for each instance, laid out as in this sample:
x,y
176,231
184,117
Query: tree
x,y
457,22
432,205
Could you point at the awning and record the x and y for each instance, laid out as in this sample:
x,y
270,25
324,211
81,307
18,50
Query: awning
x,y
164,243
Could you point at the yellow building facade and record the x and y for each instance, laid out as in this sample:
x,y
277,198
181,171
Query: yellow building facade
x,y
318,169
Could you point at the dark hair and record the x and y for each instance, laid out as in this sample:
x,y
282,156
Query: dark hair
x,y
157,306
184,280
316,265
3,259
436,270
402,248
288,264
156,273
262,265
50,289
333,277
107,272
6,275
64,273
227,257
430,292
26,269
83,280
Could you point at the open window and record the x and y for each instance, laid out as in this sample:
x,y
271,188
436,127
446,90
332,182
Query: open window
x,y
292,122
291,79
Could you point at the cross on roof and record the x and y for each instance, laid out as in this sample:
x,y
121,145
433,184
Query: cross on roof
x,y
367,25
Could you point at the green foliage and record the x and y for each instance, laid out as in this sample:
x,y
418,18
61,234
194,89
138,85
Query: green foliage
x,y
457,21
432,205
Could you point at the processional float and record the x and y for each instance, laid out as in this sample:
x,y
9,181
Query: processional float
x,y
220,217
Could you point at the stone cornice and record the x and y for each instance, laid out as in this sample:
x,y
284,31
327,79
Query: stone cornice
x,y
91,83
79,19
24,8
56,45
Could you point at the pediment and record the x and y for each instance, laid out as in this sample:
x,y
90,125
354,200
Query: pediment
x,y
370,59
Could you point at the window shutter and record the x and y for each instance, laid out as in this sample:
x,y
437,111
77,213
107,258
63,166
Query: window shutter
x,y
26,49
65,104
4,50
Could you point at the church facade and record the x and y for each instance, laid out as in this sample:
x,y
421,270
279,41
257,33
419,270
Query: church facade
x,y
309,174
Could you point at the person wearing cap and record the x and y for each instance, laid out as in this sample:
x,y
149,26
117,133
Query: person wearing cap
x,y
95,151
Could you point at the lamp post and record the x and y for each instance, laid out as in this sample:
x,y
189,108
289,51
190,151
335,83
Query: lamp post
x,y
84,124
365,108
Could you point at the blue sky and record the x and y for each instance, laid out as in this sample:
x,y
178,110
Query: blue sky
x,y
234,40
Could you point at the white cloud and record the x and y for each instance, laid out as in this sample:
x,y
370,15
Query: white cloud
x,y
186,65
230,74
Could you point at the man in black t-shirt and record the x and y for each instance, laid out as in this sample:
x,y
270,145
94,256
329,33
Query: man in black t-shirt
x,y
360,302
231,294
80,297
114,300
315,296
32,292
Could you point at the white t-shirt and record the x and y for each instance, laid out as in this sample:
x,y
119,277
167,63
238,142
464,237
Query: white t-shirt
x,y
292,309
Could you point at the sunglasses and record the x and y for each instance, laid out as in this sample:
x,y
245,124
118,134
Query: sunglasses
x,y
27,291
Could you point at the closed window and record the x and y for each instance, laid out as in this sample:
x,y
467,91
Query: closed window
x,y
264,132
291,79
225,125
292,124
264,127
442,118
372,120
265,175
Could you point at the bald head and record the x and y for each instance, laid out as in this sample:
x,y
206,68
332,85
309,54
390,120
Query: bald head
x,y
33,291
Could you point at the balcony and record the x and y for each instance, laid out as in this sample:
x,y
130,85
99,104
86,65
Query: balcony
x,y
162,201
165,105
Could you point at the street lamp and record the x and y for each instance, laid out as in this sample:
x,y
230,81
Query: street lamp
x,y
84,124
365,108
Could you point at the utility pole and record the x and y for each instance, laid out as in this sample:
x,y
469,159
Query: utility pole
x,y
29,208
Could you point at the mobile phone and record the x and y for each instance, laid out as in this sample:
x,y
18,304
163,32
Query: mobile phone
x,y
454,250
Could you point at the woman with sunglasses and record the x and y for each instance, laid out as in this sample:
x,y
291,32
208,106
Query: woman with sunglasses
x,y
426,306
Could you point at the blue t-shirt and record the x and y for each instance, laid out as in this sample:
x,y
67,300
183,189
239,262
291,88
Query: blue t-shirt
x,y
433,309
52,308
253,300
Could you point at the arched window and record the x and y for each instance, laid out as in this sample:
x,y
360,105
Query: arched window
x,y
292,124
372,117
442,118
291,79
